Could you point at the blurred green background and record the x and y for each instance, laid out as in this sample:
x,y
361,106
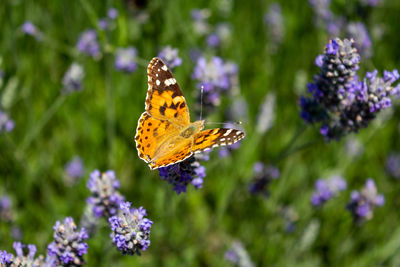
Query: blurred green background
x,y
194,228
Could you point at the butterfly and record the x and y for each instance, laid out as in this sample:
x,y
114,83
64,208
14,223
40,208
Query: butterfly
x,y
164,134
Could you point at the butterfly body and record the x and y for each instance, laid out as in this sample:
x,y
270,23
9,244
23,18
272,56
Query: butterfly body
x,y
165,134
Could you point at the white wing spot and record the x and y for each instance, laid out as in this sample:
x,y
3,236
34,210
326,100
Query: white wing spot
x,y
228,132
164,68
222,140
158,82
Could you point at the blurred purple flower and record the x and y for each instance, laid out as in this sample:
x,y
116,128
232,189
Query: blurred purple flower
x,y
125,59
6,213
183,173
69,244
370,2
238,255
362,204
112,13
103,23
5,258
359,33
273,20
170,56
88,44
130,229
105,197
327,189
30,29
393,165
74,170
215,77
290,216
89,221
213,40
72,80
6,123
263,175
200,24
340,102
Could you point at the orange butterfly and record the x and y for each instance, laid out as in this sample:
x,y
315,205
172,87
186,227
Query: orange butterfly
x,y
164,134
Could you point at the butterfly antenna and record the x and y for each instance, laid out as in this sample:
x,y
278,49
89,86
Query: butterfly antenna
x,y
201,101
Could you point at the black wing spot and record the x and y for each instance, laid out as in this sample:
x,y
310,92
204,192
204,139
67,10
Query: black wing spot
x,y
148,145
182,105
162,110
176,114
149,124
146,137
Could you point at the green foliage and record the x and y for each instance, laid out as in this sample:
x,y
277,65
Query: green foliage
x,y
195,228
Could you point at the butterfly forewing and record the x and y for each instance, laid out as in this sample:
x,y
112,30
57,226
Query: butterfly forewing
x,y
164,96
208,139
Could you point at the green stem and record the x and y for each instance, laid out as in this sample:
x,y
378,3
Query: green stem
x,y
288,150
110,109
33,133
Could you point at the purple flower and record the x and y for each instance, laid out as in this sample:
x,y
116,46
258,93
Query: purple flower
x,y
72,80
170,56
88,44
30,29
213,40
21,258
112,13
125,59
6,213
214,76
200,24
290,216
340,101
6,123
359,33
5,258
393,165
183,173
105,197
130,229
274,22
370,2
327,189
362,204
88,221
103,24
263,175
238,255
69,244
74,169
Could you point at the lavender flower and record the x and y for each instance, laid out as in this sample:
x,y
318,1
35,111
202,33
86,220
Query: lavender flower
x,y
170,56
290,216
112,13
30,29
200,16
125,59
263,175
215,77
393,165
88,221
105,198
5,258
325,18
72,80
362,204
276,29
69,245
6,213
238,255
88,44
370,2
213,40
130,230
103,24
327,189
340,102
74,170
359,33
6,123
181,174
21,259
266,115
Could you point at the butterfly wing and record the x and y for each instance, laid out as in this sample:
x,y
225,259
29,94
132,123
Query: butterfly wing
x,y
150,133
211,138
165,100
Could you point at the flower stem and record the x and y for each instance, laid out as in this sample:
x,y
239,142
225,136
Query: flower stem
x,y
33,133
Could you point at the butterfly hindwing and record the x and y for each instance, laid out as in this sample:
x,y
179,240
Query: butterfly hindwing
x,y
164,96
174,157
211,138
